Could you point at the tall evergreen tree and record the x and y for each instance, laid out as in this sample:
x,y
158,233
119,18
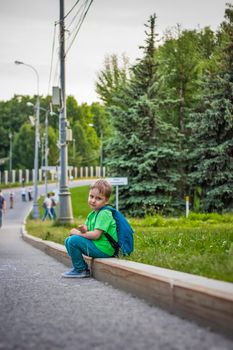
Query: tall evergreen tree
x,y
113,76
180,63
143,148
182,59
213,131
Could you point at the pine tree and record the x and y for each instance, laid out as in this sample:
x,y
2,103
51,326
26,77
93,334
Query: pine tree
x,y
112,77
213,131
182,58
144,148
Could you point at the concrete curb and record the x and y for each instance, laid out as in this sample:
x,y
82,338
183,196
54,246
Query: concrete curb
x,y
206,301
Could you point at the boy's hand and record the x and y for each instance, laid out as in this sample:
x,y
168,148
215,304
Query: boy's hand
x,y
82,228
76,232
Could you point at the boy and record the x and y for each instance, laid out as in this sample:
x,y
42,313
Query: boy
x,y
89,239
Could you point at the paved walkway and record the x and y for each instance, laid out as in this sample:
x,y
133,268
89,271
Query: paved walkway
x,y
40,310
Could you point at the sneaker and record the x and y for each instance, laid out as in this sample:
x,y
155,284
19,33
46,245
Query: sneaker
x,y
75,274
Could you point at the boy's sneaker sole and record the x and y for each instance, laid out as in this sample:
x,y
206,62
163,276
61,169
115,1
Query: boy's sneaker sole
x,y
75,274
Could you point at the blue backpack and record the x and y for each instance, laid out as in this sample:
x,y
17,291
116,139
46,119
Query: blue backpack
x,y
125,243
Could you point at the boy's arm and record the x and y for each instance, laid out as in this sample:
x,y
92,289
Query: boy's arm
x,y
95,234
82,228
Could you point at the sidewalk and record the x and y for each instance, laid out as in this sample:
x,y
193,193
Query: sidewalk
x,y
40,310
207,301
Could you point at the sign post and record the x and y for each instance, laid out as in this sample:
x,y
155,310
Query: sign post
x,y
186,206
117,181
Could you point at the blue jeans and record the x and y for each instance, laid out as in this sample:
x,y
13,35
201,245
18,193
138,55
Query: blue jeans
x,y
47,213
53,212
78,245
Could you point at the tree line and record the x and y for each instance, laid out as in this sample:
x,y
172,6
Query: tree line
x,y
172,115
87,122
166,122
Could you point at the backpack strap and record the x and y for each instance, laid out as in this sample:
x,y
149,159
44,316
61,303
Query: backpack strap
x,y
113,243
111,240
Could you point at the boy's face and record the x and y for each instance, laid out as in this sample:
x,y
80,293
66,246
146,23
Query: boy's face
x,y
96,200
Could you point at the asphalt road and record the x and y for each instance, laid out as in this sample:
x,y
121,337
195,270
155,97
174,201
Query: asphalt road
x,y
40,310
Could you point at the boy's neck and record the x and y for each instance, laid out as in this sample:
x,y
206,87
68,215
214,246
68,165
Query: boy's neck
x,y
102,207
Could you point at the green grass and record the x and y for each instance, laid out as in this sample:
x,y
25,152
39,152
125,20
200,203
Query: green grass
x,y
201,244
206,251
79,197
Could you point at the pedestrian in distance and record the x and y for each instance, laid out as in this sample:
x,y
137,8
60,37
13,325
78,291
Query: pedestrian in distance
x,y
47,205
53,208
71,179
89,239
30,194
23,194
11,200
2,206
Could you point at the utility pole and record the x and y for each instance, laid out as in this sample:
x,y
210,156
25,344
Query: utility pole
x,y
65,207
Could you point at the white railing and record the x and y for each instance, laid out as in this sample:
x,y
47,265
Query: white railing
x,y
26,176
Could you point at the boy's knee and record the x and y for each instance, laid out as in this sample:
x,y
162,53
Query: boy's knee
x,y
70,240
75,241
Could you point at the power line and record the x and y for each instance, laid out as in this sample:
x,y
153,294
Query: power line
x,y
73,19
84,8
51,64
73,31
71,9
56,75
79,26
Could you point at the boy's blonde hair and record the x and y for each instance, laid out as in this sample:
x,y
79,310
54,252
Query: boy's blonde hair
x,y
104,187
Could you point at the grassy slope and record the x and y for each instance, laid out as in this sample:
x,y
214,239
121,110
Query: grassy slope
x,y
202,244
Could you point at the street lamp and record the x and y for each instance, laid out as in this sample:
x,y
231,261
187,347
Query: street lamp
x,y
35,210
101,151
47,112
101,155
10,155
42,149
46,149
74,140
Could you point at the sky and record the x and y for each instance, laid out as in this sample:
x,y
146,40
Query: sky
x,y
110,27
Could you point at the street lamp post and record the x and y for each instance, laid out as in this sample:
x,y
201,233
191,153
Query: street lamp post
x,y
10,155
42,149
47,113
101,152
35,210
45,150
74,140
101,155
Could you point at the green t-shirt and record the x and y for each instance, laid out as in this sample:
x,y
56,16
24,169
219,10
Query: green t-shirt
x,y
104,222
